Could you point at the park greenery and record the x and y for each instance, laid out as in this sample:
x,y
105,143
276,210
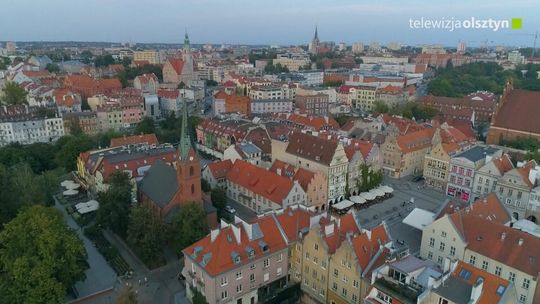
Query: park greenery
x,y
277,68
52,68
408,110
145,234
40,258
529,144
462,80
13,94
115,203
129,73
219,200
187,226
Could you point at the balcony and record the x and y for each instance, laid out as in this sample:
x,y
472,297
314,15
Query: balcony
x,y
404,293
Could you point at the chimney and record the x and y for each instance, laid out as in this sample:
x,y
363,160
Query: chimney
x,y
503,236
520,242
278,171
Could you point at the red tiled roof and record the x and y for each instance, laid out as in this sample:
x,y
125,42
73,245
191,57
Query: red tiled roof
x,y
366,245
364,147
416,140
168,94
486,238
36,74
503,163
149,139
311,147
177,64
489,208
220,250
219,169
490,285
524,172
260,181
294,221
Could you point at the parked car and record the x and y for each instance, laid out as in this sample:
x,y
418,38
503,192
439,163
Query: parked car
x,y
418,178
230,209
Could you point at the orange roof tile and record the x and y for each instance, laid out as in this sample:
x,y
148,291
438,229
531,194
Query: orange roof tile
x,y
149,139
177,64
260,181
415,140
491,282
220,169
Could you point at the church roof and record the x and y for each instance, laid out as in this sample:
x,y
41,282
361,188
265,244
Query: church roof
x,y
159,184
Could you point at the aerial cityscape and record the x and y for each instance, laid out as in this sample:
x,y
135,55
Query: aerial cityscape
x,y
250,152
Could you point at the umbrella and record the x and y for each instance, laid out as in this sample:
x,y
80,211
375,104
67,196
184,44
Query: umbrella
x,y
70,192
386,189
66,183
368,196
377,192
357,199
73,186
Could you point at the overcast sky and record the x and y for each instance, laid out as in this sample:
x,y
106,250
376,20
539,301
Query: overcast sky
x,y
260,22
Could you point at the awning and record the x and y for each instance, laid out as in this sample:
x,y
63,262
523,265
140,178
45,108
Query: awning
x,y
419,218
73,186
66,182
89,206
377,192
386,189
357,199
70,192
344,204
368,196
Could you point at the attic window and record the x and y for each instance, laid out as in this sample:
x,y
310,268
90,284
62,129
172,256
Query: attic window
x,y
235,257
501,289
250,252
464,274
196,251
263,245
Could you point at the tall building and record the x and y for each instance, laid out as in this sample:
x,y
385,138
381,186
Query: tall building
x,y
315,43
187,69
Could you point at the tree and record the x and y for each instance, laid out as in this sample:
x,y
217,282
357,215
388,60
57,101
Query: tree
x,y
380,107
86,56
115,204
145,233
127,296
14,94
69,147
103,61
40,257
205,186
342,120
198,297
146,126
219,199
188,226
52,68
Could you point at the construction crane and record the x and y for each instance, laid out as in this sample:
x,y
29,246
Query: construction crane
x,y
535,35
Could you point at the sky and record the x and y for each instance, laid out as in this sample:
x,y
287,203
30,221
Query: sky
x,y
279,22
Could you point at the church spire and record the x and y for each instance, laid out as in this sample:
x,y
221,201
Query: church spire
x,y
316,35
185,142
187,46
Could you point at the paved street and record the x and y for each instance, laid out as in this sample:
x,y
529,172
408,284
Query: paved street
x,y
100,276
242,211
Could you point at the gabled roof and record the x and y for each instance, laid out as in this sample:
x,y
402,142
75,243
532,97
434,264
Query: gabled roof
x,y
366,245
489,208
512,247
216,252
364,147
219,169
168,94
519,111
294,222
177,64
260,181
149,139
311,147
415,140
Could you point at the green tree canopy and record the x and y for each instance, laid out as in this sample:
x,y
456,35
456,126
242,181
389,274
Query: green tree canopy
x,y
115,204
40,257
146,126
69,147
146,233
13,94
52,68
188,226
219,199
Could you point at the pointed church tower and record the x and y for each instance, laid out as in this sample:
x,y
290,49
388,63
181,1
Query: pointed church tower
x,y
188,168
187,70
315,43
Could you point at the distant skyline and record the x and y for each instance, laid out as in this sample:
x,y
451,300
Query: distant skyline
x,y
276,22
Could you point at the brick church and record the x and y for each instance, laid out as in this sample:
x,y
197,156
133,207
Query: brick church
x,y
166,188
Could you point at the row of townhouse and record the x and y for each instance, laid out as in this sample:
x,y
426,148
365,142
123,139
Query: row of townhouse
x,y
481,235
330,259
27,125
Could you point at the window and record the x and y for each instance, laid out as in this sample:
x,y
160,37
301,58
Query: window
x,y
498,271
472,260
355,284
430,255
252,277
442,246
344,292
307,255
336,273
439,260
224,295
316,247
334,286
443,233
280,257
443,301
522,298
239,288
526,283
278,271
238,275
224,281
266,263
345,279
354,298
452,250
431,242
512,277
252,266
315,260
323,264
485,265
